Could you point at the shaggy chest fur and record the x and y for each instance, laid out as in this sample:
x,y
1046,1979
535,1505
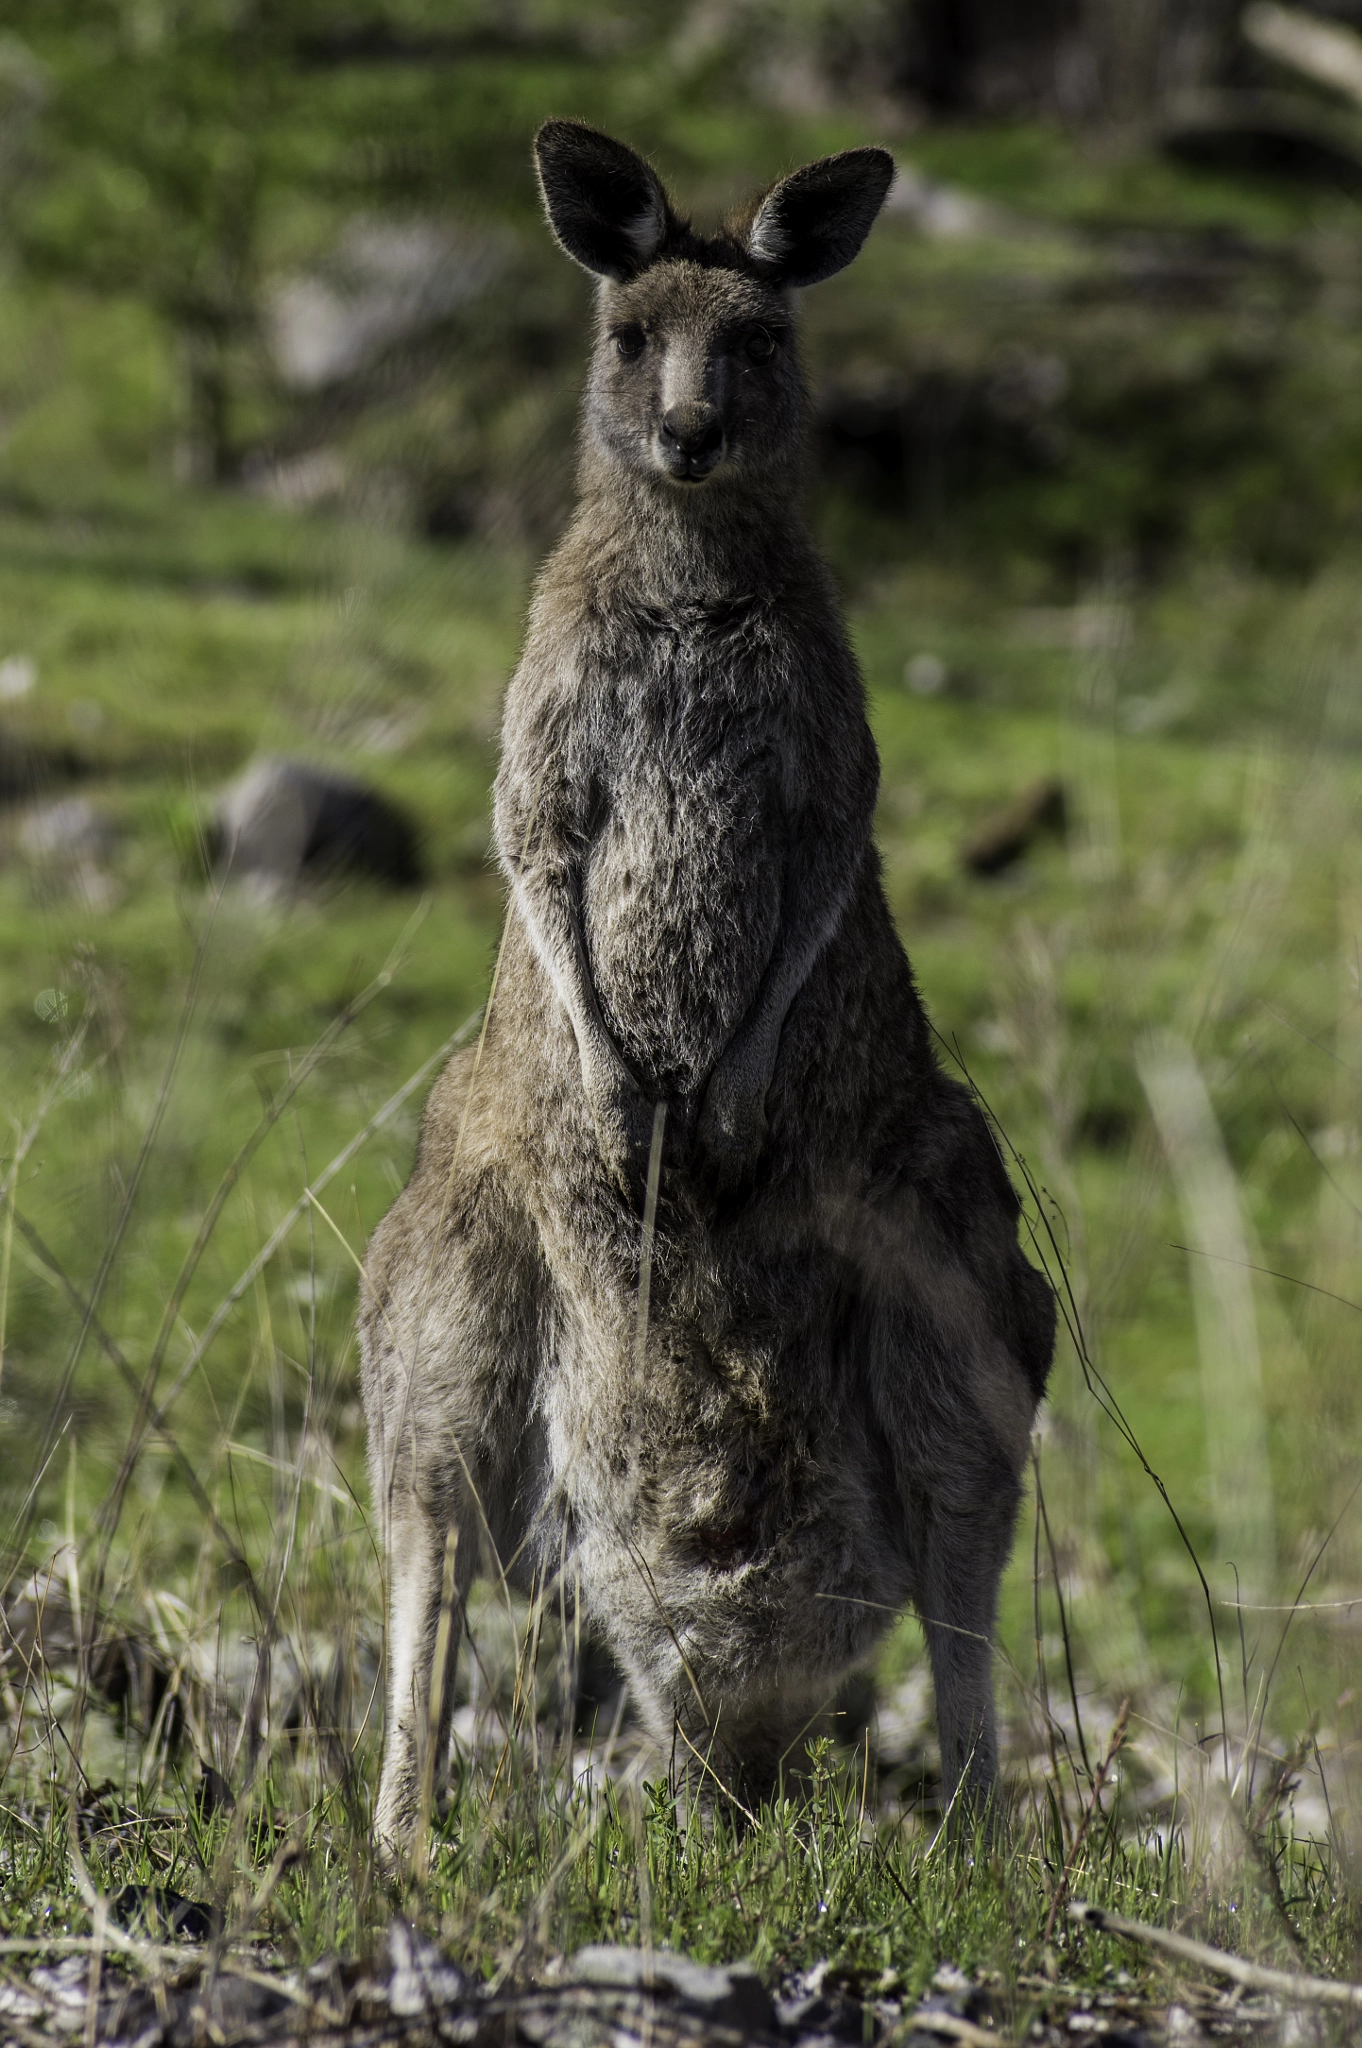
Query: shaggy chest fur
x,y
682,883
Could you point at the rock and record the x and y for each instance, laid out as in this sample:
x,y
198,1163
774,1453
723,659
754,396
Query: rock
x,y
65,834
18,674
1005,836
422,1979
157,1912
207,2004
316,477
40,1642
826,2016
285,821
66,845
18,2004
64,1990
730,1997
940,212
926,675
387,283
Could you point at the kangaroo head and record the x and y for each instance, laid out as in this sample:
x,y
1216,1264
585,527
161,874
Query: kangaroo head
x,y
695,374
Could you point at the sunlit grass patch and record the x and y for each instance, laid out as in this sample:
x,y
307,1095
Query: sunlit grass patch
x,y
1197,918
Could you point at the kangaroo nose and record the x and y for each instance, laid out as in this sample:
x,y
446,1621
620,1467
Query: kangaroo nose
x,y
696,429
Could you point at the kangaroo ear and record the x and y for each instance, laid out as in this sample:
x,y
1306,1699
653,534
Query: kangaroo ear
x,y
605,205
812,223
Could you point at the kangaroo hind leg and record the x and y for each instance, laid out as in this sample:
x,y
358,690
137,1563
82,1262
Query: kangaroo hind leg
x,y
451,1342
964,1555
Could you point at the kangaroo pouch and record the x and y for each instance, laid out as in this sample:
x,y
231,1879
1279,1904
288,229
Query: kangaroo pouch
x,y
682,895
728,1513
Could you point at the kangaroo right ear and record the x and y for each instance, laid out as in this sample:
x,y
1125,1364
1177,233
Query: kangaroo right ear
x,y
606,206
812,223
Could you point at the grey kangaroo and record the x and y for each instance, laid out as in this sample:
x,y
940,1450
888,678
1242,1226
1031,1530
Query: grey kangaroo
x,y
706,1289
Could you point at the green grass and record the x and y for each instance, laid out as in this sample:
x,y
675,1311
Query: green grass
x,y
1206,886
523,1867
1206,728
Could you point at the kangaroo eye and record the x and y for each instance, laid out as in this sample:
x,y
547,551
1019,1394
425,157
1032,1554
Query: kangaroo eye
x,y
760,345
630,341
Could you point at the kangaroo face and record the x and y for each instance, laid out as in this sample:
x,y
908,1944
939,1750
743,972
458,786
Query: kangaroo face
x,y
695,378
695,372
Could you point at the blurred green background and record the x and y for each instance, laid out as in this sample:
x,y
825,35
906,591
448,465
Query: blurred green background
x,y
288,380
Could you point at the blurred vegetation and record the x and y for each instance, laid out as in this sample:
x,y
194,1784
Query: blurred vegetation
x,y
288,380
319,229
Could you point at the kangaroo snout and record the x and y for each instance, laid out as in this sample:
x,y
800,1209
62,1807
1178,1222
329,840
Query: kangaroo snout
x,y
691,441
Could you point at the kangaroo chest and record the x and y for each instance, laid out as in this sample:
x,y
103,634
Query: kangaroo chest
x,y
683,881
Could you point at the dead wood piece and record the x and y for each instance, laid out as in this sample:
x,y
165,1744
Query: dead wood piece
x,y
1285,133
1005,836
28,769
1325,52
950,2026
1254,1976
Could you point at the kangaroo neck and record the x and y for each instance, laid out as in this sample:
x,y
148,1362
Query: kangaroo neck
x,y
666,544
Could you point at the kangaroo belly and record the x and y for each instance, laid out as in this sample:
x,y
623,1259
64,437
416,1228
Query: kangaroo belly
x,y
681,906
728,1512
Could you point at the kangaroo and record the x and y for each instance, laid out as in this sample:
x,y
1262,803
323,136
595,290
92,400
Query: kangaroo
x,y
706,1289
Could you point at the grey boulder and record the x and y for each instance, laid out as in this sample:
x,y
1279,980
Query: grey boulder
x,y
731,1997
282,822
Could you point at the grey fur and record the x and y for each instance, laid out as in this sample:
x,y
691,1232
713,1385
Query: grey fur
x,y
827,1414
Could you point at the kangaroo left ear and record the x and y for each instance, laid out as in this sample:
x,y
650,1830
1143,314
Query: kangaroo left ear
x,y
812,223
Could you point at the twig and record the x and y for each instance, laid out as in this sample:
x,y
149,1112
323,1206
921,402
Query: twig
x,y
149,1135
1063,1624
1293,1606
1268,1272
954,2028
1253,1976
83,1944
1291,1615
1093,1380
146,1418
252,1272
1090,1811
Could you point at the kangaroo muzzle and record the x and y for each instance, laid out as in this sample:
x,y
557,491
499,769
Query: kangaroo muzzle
x,y
690,441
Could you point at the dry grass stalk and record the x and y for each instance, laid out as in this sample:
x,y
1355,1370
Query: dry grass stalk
x,y
1090,1812
1253,1976
1222,1294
